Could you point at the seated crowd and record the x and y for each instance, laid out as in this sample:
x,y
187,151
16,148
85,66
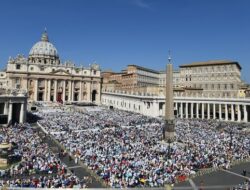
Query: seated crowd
x,y
38,167
127,150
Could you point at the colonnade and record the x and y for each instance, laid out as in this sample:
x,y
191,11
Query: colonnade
x,y
15,111
185,107
207,110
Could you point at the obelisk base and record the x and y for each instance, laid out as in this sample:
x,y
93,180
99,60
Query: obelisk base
x,y
169,132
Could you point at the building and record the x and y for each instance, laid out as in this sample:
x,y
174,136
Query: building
x,y
13,106
47,79
133,77
218,78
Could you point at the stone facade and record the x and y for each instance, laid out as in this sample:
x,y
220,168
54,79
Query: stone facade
x,y
204,79
46,79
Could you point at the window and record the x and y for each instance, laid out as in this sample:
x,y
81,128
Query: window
x,y
94,72
42,68
31,68
17,81
53,70
18,66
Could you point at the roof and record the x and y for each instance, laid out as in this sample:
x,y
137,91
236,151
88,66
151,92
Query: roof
x,y
164,71
144,68
211,62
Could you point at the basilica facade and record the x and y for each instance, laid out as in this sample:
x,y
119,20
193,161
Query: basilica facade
x,y
45,78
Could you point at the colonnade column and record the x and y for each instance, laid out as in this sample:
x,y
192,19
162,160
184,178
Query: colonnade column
x,y
192,110
21,116
55,90
245,113
202,111
10,112
5,111
239,113
226,112
35,90
186,110
214,111
181,110
49,90
220,112
208,111
197,110
232,112
176,108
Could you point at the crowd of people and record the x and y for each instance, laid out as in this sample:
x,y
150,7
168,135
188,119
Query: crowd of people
x,y
38,166
127,150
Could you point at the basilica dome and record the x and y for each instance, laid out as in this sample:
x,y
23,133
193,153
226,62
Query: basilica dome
x,y
44,49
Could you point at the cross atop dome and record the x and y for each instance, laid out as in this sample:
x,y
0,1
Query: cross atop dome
x,y
169,57
45,37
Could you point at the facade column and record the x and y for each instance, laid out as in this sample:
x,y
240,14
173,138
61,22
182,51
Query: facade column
x,y
55,90
5,111
192,110
80,95
232,112
239,113
35,90
197,110
226,112
220,114
45,90
64,91
21,116
89,91
202,111
181,110
245,113
186,108
73,90
69,91
214,111
49,90
10,112
155,108
208,111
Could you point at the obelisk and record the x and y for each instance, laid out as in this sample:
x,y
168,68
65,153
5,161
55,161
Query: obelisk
x,y
169,128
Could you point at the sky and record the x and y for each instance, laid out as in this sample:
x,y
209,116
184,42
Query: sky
x,y
115,33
